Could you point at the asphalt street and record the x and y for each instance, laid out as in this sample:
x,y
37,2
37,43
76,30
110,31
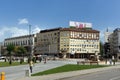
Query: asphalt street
x,y
15,72
113,74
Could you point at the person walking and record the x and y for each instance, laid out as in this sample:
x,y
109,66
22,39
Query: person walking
x,y
40,59
31,66
113,62
110,61
45,60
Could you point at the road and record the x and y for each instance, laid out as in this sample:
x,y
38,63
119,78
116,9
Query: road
x,y
15,72
113,74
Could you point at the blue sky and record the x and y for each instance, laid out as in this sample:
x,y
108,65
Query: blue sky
x,y
16,15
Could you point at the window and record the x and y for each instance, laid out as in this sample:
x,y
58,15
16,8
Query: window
x,y
55,33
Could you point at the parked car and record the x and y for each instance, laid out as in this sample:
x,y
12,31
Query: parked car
x,y
2,57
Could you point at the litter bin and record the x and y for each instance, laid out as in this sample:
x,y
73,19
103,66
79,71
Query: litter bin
x,y
27,73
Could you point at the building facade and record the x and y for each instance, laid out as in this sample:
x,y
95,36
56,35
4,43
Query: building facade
x,y
48,42
1,47
27,41
114,44
73,42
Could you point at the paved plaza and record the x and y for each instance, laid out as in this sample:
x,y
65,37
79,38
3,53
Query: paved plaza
x,y
67,74
19,72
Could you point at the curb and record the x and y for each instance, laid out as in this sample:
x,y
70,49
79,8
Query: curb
x,y
58,76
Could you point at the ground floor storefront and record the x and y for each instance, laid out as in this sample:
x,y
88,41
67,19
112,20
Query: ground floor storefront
x,y
90,56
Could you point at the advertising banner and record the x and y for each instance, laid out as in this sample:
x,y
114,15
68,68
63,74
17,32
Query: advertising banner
x,y
80,24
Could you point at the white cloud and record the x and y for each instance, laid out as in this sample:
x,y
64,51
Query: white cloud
x,y
3,30
23,21
36,29
7,32
18,32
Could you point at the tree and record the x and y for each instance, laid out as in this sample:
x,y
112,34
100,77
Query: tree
x,y
10,49
21,51
101,49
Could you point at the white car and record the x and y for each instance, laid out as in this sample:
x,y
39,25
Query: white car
x,y
2,57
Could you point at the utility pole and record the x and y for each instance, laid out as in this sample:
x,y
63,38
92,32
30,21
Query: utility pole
x,y
30,42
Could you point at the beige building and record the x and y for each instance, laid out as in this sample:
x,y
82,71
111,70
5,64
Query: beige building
x,y
26,41
48,41
73,42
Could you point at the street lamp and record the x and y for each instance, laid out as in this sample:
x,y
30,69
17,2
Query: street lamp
x,y
30,46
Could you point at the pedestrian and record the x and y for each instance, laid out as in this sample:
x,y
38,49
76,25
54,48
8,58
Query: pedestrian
x,y
113,61
105,61
31,65
110,61
40,59
45,60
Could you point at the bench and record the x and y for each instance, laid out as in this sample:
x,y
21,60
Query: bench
x,y
82,62
87,62
93,62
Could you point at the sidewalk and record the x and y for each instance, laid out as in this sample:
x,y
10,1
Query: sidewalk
x,y
67,74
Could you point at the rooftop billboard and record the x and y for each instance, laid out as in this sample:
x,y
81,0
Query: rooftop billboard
x,y
80,24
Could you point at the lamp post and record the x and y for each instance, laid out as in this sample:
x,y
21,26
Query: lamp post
x,y
30,46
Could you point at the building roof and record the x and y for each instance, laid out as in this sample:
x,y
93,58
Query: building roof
x,y
79,29
19,37
49,30
116,30
70,29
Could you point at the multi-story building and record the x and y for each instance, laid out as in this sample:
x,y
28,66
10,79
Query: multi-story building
x,y
27,41
114,44
48,41
75,42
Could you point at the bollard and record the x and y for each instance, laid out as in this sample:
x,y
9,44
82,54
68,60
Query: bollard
x,y
27,73
3,76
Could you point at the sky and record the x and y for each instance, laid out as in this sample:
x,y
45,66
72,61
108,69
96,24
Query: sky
x,y
17,15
